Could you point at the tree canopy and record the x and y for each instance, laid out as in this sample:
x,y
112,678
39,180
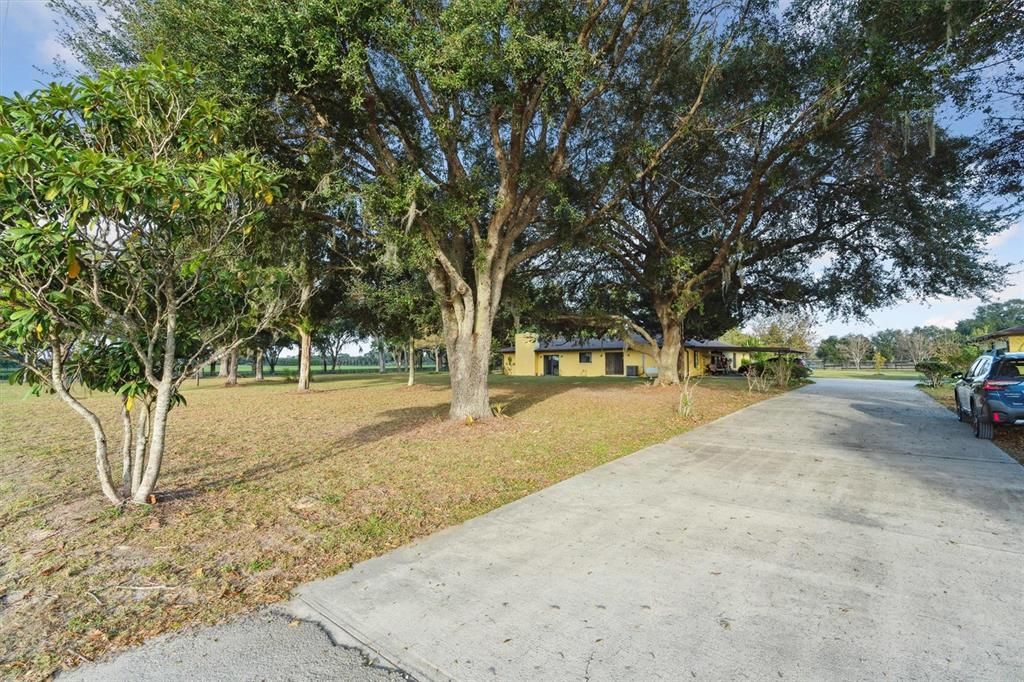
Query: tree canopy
x,y
701,161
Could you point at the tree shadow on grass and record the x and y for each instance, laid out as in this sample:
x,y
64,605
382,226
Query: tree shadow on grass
x,y
277,381
393,422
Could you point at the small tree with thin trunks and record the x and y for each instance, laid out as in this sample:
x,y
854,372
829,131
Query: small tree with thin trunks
x,y
123,259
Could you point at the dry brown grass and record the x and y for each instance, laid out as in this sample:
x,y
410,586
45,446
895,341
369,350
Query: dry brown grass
x,y
263,489
1009,438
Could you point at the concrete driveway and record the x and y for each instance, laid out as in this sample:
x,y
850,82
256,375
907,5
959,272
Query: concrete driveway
x,y
852,529
849,530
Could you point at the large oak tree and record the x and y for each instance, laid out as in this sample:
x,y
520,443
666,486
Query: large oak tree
x,y
469,123
816,175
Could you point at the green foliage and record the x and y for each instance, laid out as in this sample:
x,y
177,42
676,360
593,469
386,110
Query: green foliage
x,y
828,350
992,317
956,351
935,371
788,329
394,302
887,342
112,190
879,361
126,215
780,371
704,154
801,159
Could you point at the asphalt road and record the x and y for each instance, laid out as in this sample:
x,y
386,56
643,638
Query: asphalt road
x,y
851,529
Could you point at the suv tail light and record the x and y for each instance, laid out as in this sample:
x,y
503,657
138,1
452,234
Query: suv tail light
x,y
998,384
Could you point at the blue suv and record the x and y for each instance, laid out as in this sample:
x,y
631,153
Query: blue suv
x,y
991,392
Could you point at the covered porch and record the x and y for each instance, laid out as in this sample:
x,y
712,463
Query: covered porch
x,y
719,358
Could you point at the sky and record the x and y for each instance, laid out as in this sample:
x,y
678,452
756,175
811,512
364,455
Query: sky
x,y
29,47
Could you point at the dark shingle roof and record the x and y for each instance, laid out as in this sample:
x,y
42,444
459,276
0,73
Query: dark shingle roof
x,y
562,344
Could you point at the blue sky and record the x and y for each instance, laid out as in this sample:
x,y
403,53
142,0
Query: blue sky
x,y
29,46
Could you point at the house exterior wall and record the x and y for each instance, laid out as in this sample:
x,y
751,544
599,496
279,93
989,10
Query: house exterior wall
x,y
527,361
1011,344
696,362
569,364
520,363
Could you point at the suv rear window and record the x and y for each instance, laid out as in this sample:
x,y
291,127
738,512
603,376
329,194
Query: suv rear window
x,y
1008,368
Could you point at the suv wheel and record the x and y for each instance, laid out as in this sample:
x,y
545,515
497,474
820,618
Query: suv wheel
x,y
983,427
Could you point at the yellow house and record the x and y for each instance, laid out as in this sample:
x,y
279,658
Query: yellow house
x,y
1010,340
531,357
572,357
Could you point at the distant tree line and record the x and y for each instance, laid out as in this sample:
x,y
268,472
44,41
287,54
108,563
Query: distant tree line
x,y
910,347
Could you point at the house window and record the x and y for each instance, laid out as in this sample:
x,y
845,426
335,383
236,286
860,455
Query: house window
x,y
585,358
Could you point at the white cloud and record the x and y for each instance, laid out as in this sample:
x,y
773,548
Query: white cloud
x,y
942,321
1008,236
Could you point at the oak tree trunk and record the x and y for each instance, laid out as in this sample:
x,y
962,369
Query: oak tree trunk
x,y
669,356
257,365
224,369
437,359
412,365
381,359
469,359
232,362
305,350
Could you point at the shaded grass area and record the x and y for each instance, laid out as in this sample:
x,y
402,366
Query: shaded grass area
x,y
1009,438
264,488
867,373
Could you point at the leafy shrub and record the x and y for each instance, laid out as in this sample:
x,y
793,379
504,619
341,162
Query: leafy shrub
x,y
879,361
800,372
935,371
779,372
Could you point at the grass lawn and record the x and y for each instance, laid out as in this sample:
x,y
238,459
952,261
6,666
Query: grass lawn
x,y
866,373
1009,438
263,489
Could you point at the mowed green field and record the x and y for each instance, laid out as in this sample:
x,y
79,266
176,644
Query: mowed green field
x,y
264,488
